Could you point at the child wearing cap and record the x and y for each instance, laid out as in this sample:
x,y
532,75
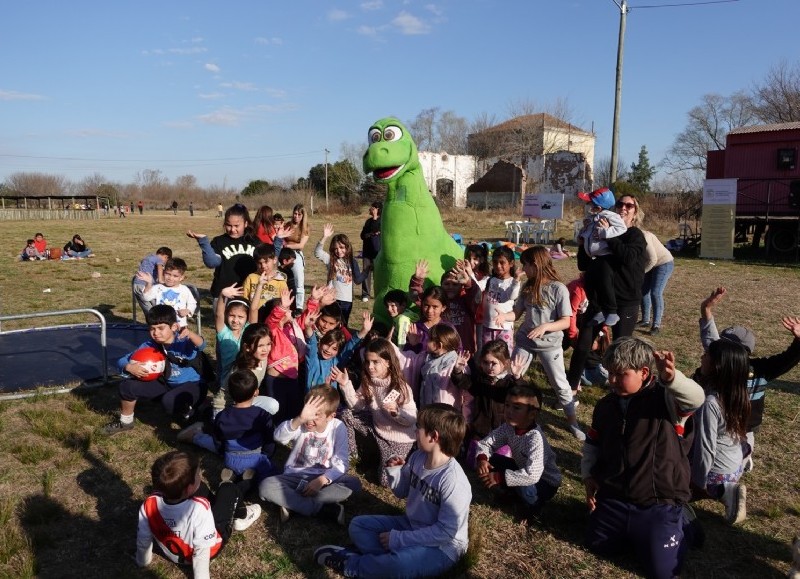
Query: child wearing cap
x,y
602,224
762,370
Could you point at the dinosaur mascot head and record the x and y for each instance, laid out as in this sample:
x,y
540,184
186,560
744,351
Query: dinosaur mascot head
x,y
411,225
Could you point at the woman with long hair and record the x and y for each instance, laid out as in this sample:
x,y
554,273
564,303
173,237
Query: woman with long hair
x,y
296,240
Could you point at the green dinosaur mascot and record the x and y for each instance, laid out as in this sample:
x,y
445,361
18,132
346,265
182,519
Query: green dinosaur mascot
x,y
411,226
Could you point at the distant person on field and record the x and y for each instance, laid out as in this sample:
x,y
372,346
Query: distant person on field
x,y
140,205
174,207
220,209
187,522
558,249
153,265
191,209
30,253
76,248
41,244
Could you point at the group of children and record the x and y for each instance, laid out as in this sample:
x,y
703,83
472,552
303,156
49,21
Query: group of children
x,y
36,249
432,394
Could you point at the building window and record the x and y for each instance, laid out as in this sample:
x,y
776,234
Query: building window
x,y
786,159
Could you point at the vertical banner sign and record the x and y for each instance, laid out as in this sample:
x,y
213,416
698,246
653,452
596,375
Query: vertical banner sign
x,y
719,215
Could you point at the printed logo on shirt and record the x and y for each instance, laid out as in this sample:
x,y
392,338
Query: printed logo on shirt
x,y
428,493
240,249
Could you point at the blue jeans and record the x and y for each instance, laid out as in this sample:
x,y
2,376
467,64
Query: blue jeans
x,y
418,561
655,281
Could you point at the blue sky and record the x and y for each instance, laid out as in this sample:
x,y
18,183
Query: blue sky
x,y
231,92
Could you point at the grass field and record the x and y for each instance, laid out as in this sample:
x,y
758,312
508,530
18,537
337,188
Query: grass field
x,y
69,495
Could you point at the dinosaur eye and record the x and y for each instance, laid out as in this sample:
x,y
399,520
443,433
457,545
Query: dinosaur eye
x,y
392,133
374,135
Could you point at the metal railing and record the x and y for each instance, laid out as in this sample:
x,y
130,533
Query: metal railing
x,y
103,329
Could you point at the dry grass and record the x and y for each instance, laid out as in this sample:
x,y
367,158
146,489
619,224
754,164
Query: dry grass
x,y
70,495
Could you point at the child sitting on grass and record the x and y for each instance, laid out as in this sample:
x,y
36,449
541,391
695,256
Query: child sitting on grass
x,y
635,464
432,535
531,471
242,431
30,253
314,480
189,525
179,386
383,407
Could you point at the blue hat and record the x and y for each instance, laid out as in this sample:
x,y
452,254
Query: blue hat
x,y
602,197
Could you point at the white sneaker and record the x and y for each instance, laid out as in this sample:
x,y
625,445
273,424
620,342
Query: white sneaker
x,y
365,299
577,432
747,464
284,514
253,512
734,497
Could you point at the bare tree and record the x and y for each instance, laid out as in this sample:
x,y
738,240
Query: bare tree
x,y
707,127
354,153
423,129
90,184
452,132
777,98
602,172
37,183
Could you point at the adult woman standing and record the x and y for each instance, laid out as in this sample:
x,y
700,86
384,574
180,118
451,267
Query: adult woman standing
x,y
658,270
371,236
629,255
297,239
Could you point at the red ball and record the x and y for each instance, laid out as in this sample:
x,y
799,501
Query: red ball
x,y
153,361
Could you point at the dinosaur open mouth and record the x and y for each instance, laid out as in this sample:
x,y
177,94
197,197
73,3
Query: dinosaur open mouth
x,y
386,173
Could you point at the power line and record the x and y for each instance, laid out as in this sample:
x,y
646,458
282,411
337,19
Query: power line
x,y
682,4
213,160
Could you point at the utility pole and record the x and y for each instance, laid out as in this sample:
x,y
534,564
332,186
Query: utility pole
x,y
326,178
623,12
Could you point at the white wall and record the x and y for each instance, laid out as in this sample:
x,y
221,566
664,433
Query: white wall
x,y
460,169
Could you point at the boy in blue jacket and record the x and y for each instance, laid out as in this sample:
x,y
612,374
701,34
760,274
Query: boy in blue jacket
x,y
178,387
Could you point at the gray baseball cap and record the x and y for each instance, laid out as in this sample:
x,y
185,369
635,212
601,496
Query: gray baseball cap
x,y
739,335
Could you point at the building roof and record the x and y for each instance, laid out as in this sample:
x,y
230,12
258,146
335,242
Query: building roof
x,y
535,120
765,128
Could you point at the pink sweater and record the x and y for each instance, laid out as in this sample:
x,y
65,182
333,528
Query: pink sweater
x,y
398,428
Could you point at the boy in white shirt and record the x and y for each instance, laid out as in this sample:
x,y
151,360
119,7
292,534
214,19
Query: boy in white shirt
x,y
172,292
180,517
314,480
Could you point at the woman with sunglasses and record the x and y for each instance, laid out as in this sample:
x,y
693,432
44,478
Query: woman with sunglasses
x,y
629,255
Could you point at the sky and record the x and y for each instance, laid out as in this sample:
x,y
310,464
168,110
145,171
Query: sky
x,y
236,91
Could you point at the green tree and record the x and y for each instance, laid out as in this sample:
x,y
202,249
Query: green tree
x,y
344,179
642,172
257,187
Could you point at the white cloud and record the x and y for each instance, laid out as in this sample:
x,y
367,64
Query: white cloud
x,y
264,40
197,40
336,15
248,86
434,9
372,5
191,50
370,31
275,92
228,116
12,95
225,116
410,24
98,133
178,124
211,67
211,95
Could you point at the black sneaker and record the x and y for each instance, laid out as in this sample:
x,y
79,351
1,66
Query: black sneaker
x,y
333,512
116,427
655,331
332,556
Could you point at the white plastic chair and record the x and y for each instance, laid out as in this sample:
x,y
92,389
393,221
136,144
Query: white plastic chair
x,y
548,227
515,231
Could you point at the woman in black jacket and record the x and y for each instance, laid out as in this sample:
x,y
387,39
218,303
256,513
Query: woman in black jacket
x,y
628,262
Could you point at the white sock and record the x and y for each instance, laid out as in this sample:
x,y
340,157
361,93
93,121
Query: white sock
x,y
126,418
